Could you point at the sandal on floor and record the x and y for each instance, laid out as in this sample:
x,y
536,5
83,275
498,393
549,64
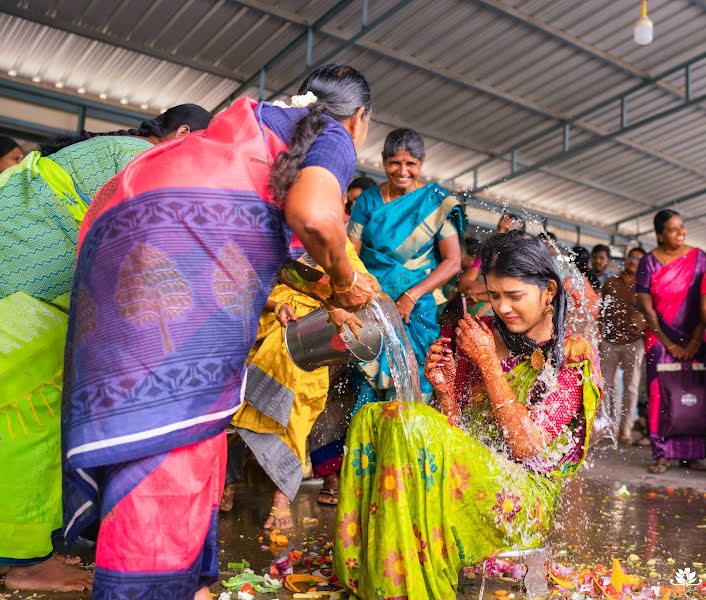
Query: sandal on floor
x,y
278,516
328,497
696,465
660,466
227,498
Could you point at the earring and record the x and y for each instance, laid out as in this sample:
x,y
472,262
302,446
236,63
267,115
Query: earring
x,y
548,309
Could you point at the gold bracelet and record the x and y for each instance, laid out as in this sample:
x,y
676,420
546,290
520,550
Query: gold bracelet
x,y
277,308
409,296
350,287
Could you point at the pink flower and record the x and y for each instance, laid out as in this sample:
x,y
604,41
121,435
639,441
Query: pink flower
x,y
349,530
390,483
394,567
507,507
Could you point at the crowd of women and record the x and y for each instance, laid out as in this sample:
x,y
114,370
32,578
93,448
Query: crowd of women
x,y
141,316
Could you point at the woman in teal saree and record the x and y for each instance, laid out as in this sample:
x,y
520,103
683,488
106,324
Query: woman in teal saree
x,y
407,235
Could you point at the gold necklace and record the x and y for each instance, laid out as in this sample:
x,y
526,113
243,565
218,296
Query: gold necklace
x,y
387,199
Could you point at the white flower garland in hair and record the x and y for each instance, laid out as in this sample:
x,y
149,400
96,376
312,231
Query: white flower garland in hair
x,y
301,101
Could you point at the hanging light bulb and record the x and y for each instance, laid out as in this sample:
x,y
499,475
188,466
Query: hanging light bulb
x,y
644,29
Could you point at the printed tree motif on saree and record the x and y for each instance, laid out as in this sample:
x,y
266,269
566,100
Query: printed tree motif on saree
x,y
86,321
151,289
235,284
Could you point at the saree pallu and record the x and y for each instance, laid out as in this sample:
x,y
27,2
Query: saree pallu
x,y
32,335
676,293
420,499
282,402
177,256
399,248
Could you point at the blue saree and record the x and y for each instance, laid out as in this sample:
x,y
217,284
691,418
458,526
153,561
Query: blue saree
x,y
400,247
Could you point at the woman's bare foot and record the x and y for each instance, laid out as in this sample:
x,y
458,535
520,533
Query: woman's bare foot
x,y
329,494
68,560
52,575
661,465
203,594
280,516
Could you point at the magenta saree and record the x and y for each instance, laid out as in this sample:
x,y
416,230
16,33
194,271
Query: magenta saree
x,y
676,290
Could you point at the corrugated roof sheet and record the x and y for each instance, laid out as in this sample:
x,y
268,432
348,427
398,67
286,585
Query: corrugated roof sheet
x,y
475,77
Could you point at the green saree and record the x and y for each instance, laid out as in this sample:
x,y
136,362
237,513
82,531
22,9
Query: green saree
x,y
421,499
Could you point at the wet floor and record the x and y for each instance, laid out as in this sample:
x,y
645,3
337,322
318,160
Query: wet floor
x,y
612,510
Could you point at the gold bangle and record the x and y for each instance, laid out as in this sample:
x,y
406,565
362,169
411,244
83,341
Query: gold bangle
x,y
350,287
276,309
409,296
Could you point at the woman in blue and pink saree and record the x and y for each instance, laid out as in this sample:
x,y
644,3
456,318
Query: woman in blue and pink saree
x,y
177,256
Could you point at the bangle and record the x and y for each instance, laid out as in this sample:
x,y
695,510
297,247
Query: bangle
x,y
350,287
410,297
276,310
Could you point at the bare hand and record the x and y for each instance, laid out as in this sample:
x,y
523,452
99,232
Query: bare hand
x,y
691,349
678,352
340,318
472,288
476,340
359,295
405,306
440,366
285,314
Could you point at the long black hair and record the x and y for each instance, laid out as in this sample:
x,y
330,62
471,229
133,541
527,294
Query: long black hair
x,y
194,116
7,144
525,257
661,218
400,140
340,91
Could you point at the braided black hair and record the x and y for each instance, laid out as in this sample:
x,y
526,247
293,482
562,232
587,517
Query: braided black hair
x,y
192,115
525,257
340,91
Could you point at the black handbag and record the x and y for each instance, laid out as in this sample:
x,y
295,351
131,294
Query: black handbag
x,y
683,404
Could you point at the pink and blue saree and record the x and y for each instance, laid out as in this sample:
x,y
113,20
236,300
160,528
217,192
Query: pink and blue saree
x,y
676,292
177,256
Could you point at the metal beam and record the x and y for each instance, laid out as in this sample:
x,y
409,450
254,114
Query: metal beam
x,y
68,103
36,129
478,86
348,42
577,43
670,204
578,119
114,40
601,139
301,38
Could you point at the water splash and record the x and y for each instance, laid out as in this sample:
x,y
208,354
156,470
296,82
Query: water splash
x,y
400,356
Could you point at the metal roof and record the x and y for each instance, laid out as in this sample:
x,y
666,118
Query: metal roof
x,y
548,104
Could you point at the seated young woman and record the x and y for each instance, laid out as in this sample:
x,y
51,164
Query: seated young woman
x,y
425,492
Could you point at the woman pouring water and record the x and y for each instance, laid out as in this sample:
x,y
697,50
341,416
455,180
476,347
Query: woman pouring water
x,y
426,492
176,259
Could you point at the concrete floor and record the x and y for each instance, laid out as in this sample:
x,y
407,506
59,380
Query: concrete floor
x,y
664,518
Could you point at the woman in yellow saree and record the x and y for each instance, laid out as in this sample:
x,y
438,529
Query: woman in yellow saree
x,y
426,492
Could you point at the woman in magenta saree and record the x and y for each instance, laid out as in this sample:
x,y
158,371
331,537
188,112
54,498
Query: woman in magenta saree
x,y
669,293
176,258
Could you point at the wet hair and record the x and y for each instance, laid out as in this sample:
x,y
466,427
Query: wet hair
x,y
548,236
639,249
580,257
7,144
525,257
473,246
515,218
400,140
600,248
340,91
192,115
363,183
662,217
